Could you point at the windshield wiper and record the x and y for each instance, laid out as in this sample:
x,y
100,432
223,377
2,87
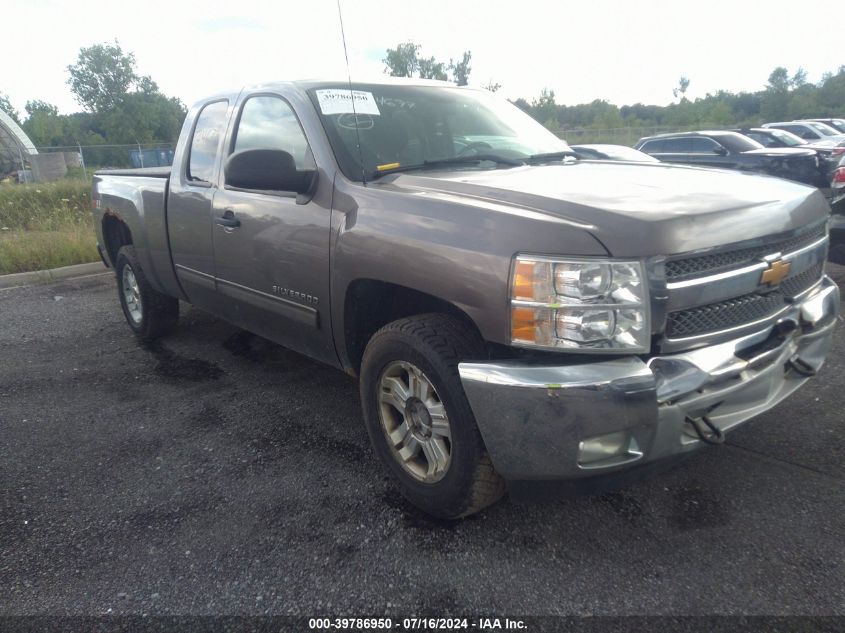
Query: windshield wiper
x,y
539,158
445,162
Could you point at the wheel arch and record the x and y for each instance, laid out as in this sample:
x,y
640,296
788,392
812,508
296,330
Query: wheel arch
x,y
116,234
370,304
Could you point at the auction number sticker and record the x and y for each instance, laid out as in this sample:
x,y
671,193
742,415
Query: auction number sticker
x,y
339,101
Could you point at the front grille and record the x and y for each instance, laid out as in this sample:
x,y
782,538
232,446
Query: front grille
x,y
794,286
723,315
764,302
712,263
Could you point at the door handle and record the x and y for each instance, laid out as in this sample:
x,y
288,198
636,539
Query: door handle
x,y
228,220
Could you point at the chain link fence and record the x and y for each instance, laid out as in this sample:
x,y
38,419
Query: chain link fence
x,y
69,161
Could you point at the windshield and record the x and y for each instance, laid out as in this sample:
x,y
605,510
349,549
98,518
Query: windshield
x,y
823,129
786,138
737,142
837,124
403,126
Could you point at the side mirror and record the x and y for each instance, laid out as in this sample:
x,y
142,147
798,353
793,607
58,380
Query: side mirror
x,y
268,170
721,151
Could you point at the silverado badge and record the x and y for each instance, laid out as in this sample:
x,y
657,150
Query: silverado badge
x,y
775,273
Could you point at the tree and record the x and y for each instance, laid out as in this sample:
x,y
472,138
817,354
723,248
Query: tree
x,y
545,110
430,68
402,60
492,86
7,107
143,118
40,107
405,61
831,92
779,80
683,84
461,70
102,76
799,78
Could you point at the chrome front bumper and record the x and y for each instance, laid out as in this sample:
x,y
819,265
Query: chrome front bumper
x,y
573,421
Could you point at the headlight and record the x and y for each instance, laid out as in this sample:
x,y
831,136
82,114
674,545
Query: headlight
x,y
581,305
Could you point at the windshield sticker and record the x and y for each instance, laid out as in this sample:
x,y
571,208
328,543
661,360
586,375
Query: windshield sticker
x,y
339,101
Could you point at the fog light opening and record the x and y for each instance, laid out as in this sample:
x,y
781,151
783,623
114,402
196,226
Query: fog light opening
x,y
608,450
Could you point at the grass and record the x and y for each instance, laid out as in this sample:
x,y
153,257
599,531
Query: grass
x,y
46,225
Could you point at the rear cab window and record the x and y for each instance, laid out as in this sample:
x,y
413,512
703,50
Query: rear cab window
x,y
205,143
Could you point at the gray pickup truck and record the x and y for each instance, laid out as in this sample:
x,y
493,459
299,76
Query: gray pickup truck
x,y
518,319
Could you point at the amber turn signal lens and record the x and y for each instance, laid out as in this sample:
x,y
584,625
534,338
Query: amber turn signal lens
x,y
523,280
523,324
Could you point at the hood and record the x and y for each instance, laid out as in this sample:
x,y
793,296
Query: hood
x,y
633,209
786,152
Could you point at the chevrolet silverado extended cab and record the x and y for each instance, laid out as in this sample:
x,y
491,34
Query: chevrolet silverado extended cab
x,y
515,316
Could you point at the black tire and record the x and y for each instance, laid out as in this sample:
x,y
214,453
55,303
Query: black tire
x,y
159,313
435,344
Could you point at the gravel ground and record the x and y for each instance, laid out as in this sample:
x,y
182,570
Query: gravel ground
x,y
217,473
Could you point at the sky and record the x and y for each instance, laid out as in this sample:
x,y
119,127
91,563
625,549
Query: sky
x,y
621,51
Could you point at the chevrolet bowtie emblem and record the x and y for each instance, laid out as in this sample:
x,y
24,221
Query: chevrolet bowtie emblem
x,y
775,273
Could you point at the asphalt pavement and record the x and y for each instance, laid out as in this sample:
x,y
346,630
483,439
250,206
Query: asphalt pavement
x,y
217,473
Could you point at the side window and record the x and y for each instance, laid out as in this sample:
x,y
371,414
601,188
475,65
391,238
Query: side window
x,y
652,147
764,139
210,126
678,145
802,131
269,123
702,145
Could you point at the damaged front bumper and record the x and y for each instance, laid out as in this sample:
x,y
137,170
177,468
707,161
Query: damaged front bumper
x,y
575,421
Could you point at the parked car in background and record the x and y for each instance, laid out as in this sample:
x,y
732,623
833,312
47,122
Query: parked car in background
x,y
829,151
772,137
809,130
836,124
602,151
837,219
731,150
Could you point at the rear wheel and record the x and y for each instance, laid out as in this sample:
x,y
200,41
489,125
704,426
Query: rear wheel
x,y
419,420
148,312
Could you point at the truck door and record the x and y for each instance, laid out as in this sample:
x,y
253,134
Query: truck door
x,y
189,201
271,248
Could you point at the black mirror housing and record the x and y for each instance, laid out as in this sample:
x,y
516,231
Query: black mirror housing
x,y
267,170
721,151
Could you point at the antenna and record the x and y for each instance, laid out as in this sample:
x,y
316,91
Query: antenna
x,y
352,96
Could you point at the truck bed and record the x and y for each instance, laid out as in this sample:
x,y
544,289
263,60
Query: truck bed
x,y
137,198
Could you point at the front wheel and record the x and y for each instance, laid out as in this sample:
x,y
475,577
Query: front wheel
x,y
419,420
148,312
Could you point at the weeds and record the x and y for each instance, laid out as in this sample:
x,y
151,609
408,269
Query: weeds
x,y
45,225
